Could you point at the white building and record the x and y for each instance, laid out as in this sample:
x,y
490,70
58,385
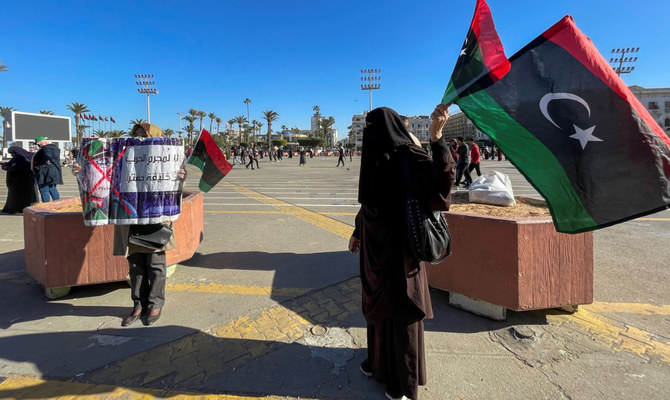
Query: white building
x,y
357,126
657,102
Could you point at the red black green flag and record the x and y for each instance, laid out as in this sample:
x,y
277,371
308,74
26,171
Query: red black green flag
x,y
482,55
566,120
209,158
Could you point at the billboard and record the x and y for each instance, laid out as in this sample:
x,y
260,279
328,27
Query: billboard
x,y
26,126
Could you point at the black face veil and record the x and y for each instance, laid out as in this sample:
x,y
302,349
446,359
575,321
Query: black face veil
x,y
385,131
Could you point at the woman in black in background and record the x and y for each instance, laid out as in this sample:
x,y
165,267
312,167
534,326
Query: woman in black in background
x,y
20,181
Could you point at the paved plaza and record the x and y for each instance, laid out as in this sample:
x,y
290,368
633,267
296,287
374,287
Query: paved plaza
x,y
270,307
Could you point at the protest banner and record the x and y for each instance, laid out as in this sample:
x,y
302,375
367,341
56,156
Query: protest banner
x,y
130,181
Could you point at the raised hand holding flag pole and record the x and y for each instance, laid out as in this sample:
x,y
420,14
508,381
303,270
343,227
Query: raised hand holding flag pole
x,y
209,158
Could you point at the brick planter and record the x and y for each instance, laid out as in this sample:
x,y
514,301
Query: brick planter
x,y
60,251
514,263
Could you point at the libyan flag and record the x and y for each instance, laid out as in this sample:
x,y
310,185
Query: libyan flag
x,y
572,127
207,156
482,55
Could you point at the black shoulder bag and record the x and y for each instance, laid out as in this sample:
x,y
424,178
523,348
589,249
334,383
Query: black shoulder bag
x,y
427,230
153,236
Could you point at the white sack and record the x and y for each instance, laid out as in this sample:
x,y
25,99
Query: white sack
x,y
494,188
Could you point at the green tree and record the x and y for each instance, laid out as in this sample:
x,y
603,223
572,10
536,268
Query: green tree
x,y
279,142
46,112
254,124
138,121
310,142
218,124
4,111
317,115
77,109
270,116
247,101
201,115
212,117
326,125
168,132
239,121
190,128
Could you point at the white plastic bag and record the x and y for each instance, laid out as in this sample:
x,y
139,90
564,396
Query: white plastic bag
x,y
494,188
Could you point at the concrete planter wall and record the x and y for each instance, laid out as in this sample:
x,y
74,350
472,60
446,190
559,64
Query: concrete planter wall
x,y
60,251
514,263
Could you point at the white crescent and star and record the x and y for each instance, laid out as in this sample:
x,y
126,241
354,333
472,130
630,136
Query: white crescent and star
x,y
583,135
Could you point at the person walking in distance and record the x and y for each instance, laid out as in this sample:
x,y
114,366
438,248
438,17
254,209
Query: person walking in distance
x,y
475,158
340,158
463,163
395,293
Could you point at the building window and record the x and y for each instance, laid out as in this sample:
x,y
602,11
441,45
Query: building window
x,y
653,105
667,106
667,122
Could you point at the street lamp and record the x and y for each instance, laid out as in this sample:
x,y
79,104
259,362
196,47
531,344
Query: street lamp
x,y
620,58
2,67
180,114
146,88
369,79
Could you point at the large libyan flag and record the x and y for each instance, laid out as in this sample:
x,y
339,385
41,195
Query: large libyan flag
x,y
209,158
572,127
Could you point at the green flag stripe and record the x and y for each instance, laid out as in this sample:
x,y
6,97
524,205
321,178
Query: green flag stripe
x,y
204,186
197,162
533,160
468,69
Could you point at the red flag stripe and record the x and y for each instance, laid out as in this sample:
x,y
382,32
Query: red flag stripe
x,y
493,54
566,34
215,153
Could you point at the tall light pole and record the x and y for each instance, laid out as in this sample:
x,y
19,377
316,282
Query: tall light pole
x,y
146,89
620,58
2,67
369,76
180,115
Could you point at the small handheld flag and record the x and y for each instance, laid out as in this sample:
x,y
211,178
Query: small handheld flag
x,y
210,160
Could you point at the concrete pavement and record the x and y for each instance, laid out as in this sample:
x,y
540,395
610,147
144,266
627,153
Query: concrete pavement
x,y
269,306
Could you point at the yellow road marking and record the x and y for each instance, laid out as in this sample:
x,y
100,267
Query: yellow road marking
x,y
331,225
235,289
619,336
337,213
34,388
651,219
632,308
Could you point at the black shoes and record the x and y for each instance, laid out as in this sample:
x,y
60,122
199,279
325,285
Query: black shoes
x,y
134,316
153,316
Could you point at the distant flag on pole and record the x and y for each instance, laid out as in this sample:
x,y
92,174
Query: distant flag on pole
x,y
100,117
482,55
207,156
112,119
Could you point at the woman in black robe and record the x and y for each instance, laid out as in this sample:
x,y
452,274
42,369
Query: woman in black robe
x,y
20,181
395,294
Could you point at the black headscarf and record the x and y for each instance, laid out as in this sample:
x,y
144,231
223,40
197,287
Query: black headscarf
x,y
380,176
20,154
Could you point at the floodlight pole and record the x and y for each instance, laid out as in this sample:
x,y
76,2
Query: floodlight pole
x,y
620,58
146,89
372,76
180,114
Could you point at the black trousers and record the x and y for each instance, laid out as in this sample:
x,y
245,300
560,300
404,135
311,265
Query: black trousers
x,y
462,169
147,279
475,166
340,160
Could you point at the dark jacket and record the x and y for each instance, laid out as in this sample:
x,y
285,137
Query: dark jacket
x,y
46,166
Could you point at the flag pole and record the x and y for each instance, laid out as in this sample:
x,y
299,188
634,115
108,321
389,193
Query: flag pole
x,y
190,155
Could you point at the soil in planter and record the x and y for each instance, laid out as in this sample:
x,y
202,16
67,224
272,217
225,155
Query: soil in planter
x,y
525,207
75,207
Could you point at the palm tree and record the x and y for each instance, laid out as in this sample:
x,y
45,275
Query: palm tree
x,y
46,112
239,121
138,121
201,115
270,116
3,113
218,123
100,133
326,125
259,125
212,117
168,132
254,124
247,101
190,119
230,125
77,109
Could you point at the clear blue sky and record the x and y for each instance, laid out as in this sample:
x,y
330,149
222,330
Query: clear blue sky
x,y
285,56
